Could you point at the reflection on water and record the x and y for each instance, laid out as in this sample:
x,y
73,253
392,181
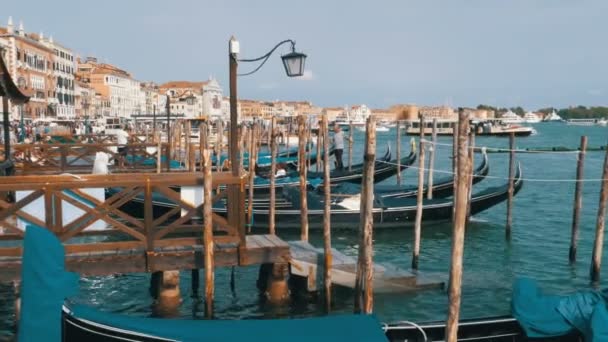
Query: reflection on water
x,y
538,247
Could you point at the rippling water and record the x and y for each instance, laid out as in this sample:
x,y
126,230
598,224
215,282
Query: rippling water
x,y
538,247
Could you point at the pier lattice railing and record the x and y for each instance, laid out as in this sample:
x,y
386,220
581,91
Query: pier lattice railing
x,y
127,232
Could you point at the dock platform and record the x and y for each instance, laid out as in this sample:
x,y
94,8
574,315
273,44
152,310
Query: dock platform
x,y
307,262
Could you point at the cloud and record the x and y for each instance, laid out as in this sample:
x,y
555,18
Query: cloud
x,y
308,76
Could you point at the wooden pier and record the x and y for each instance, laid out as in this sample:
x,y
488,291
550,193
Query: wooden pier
x,y
307,261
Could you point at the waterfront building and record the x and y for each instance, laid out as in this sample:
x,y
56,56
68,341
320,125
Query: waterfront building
x,y
384,115
31,65
186,97
62,103
333,113
212,100
437,112
120,94
226,110
358,113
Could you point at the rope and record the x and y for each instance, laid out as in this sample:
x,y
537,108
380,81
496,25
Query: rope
x,y
540,180
501,149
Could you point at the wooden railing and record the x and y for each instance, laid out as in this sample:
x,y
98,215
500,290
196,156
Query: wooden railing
x,y
178,226
80,157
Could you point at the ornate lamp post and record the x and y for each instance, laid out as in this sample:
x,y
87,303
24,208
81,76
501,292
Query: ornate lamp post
x,y
294,66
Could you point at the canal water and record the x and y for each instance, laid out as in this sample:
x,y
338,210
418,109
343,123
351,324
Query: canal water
x,y
538,248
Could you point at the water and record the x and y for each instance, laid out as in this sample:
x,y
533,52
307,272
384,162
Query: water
x,y
538,248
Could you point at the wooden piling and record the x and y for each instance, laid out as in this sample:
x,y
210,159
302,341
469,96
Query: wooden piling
x,y
303,168
598,245
208,235
159,146
218,145
430,180
420,197
351,141
472,162
578,199
253,147
511,185
308,150
273,172
398,152
460,199
319,149
364,278
323,130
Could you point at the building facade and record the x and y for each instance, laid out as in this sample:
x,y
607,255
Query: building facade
x,y
121,95
31,65
212,100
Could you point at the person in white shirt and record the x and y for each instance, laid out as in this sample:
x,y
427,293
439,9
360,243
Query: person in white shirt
x,y
338,146
122,139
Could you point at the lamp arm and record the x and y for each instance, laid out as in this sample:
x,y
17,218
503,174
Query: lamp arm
x,y
265,57
293,44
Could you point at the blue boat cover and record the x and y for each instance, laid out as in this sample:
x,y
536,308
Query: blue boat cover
x,y
46,284
543,315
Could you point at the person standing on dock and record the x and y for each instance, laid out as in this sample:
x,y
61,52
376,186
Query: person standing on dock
x,y
338,146
122,139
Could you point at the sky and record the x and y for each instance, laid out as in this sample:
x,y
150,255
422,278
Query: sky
x,y
529,53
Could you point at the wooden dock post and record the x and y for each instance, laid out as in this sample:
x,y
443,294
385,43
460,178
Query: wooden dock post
x,y
511,185
218,145
208,235
253,155
398,152
169,297
303,168
598,245
319,149
351,141
364,300
460,203
430,181
420,198
324,134
578,199
273,172
472,162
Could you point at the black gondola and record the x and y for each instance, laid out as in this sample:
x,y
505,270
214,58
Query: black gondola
x,y
388,212
488,329
442,188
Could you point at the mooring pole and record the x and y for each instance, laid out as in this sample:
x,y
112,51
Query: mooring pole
x,y
460,199
303,168
351,141
511,185
218,145
398,152
472,162
326,212
273,172
253,155
319,149
429,191
208,235
420,197
364,300
598,245
578,199
168,151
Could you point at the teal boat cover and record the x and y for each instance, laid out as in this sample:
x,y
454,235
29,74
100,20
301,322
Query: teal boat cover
x,y
542,315
46,284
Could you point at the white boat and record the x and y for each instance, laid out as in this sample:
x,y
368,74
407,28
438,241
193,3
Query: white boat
x,y
553,117
511,118
581,122
531,118
378,128
602,122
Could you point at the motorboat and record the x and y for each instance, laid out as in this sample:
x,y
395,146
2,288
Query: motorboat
x,y
553,117
511,118
530,117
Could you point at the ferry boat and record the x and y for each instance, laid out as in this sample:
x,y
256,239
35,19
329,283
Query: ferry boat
x,y
444,127
499,127
511,118
553,117
531,118
582,122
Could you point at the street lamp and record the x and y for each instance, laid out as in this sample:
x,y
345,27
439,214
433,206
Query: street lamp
x,y
294,66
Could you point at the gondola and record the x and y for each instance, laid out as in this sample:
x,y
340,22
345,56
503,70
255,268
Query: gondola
x,y
289,162
487,329
388,212
442,188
